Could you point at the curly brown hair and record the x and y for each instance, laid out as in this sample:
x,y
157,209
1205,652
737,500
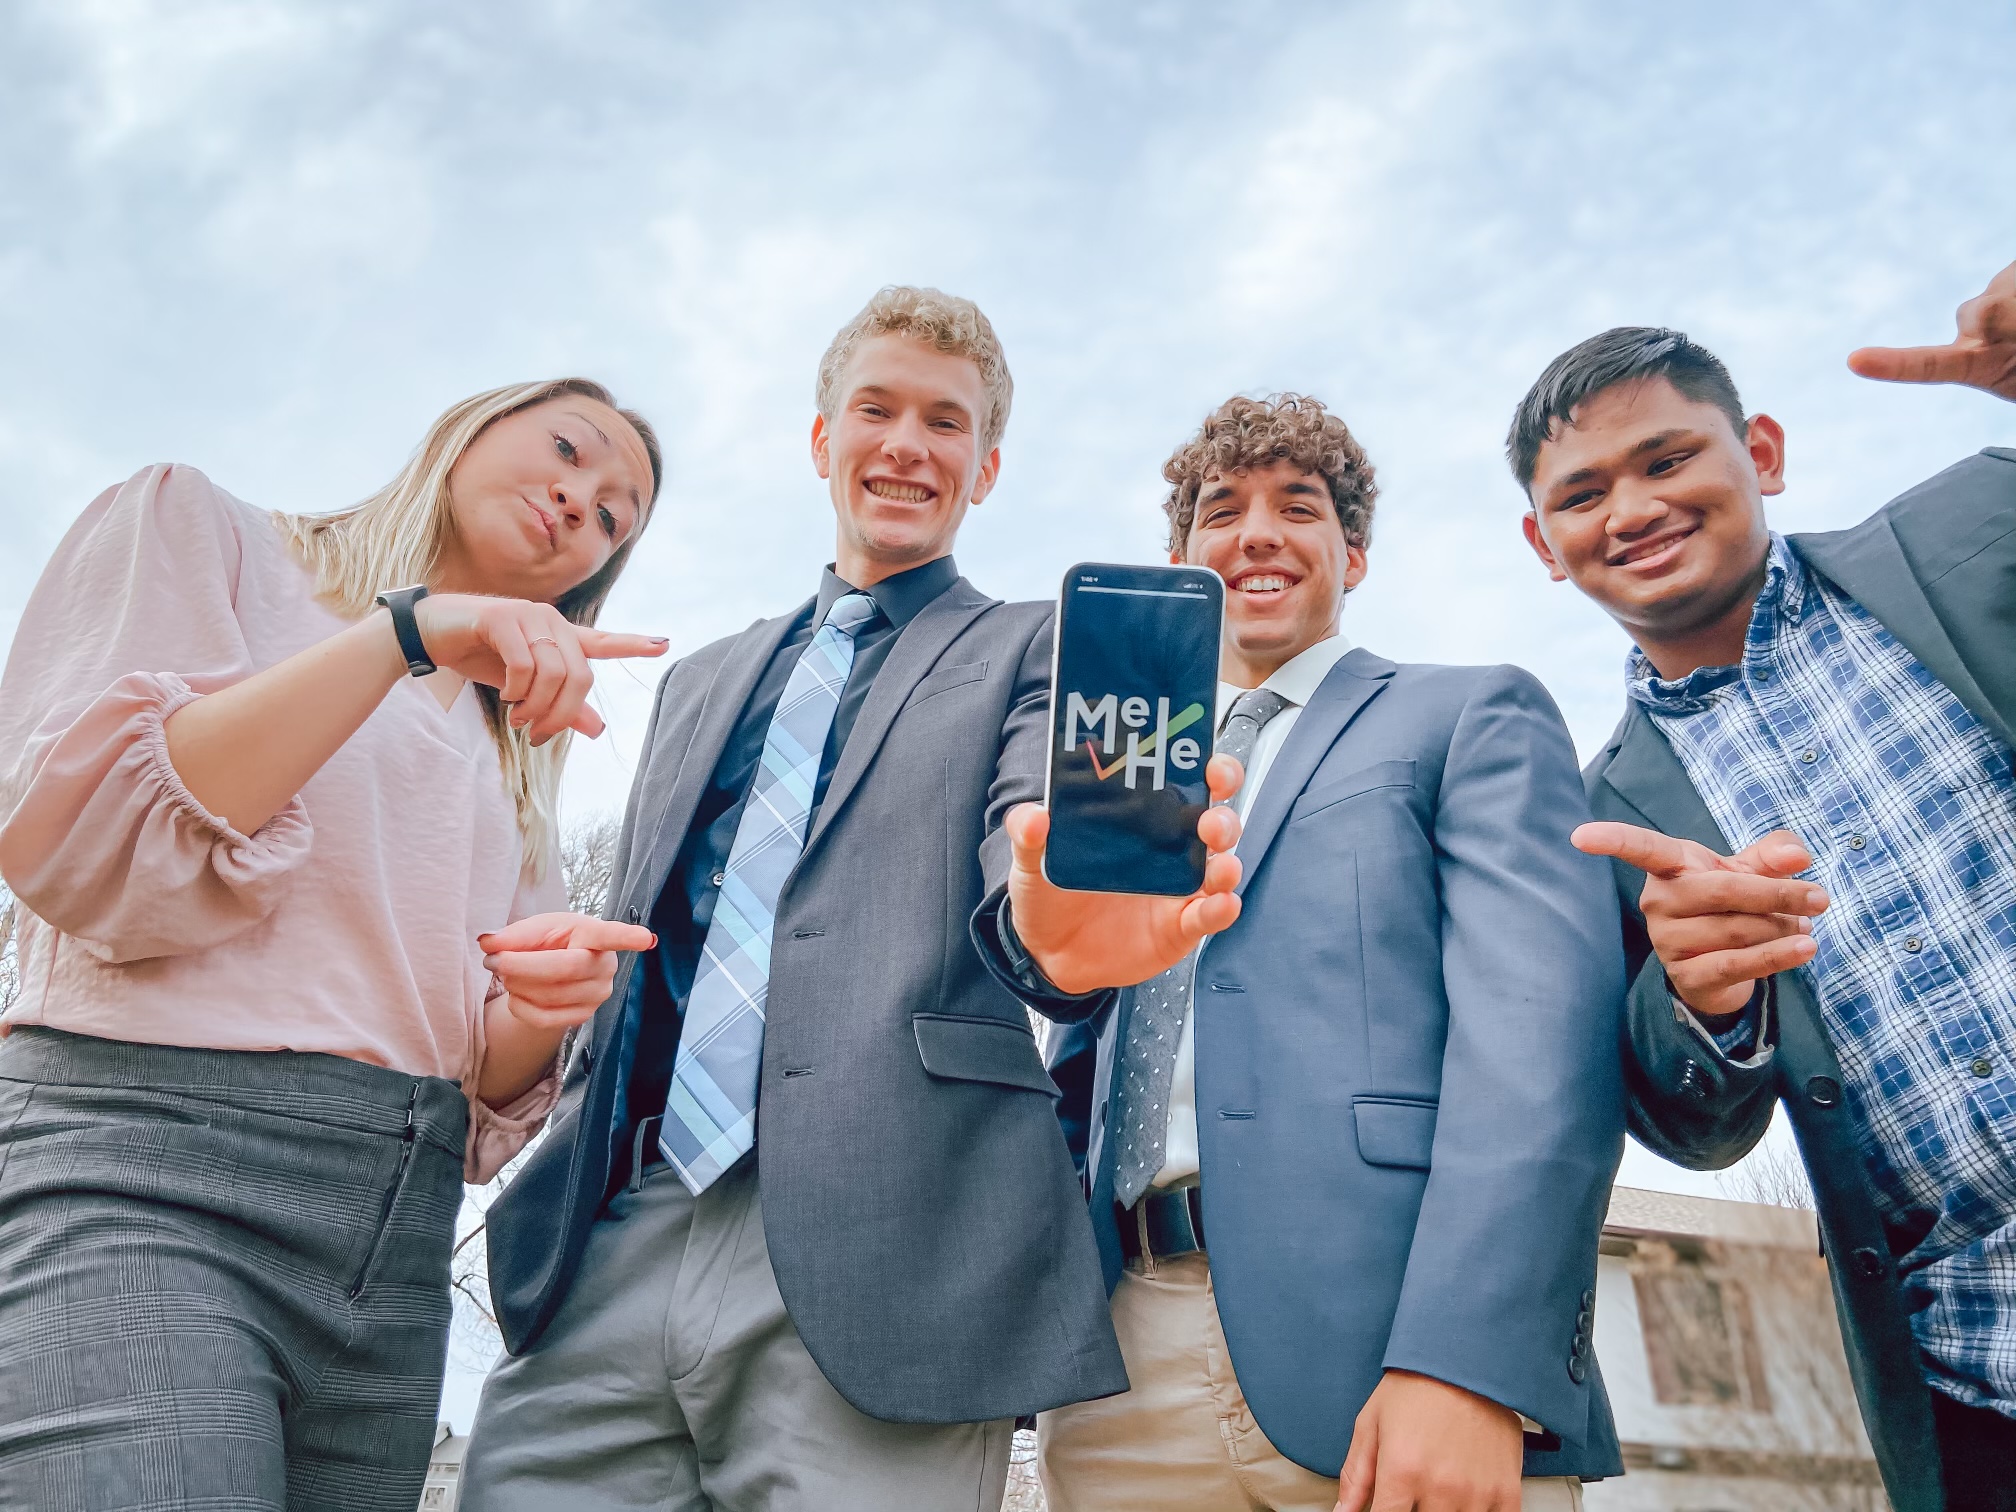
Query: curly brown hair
x,y
1293,428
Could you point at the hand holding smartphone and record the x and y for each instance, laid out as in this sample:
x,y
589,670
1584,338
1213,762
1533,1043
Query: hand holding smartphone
x,y
1134,691
1128,864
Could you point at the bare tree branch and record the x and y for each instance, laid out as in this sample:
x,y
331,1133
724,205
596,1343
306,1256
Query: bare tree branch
x,y
10,961
1771,1174
588,861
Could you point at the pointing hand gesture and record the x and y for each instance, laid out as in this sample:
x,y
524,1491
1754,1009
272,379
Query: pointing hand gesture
x,y
558,967
1718,923
1982,355
532,654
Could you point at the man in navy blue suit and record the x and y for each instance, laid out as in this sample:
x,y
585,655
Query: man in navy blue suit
x,y
1349,1163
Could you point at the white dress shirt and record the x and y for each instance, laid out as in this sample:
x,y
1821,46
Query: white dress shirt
x,y
1296,680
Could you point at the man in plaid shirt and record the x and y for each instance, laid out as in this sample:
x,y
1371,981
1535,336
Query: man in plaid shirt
x,y
1811,810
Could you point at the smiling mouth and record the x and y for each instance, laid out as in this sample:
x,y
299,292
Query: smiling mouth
x,y
900,493
1653,553
1263,584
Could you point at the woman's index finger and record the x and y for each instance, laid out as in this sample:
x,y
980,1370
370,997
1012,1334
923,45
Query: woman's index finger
x,y
608,934
605,644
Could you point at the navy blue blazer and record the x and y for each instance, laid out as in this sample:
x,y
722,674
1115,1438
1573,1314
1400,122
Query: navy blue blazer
x,y
1409,1101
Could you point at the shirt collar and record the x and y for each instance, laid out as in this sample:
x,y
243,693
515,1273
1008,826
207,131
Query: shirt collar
x,y
1298,678
1781,601
901,597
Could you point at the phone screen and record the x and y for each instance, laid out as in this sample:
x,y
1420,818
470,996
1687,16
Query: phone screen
x,y
1133,703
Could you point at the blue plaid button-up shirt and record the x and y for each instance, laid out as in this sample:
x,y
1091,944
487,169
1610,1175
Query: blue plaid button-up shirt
x,y
1831,728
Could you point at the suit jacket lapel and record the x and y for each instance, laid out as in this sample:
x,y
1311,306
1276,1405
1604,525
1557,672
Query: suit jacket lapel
x,y
1350,685
1869,565
666,815
1649,777
917,649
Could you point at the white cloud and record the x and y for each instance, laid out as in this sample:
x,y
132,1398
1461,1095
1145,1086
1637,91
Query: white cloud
x,y
275,240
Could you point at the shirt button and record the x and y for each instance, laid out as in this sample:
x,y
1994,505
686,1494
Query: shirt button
x,y
1764,675
1983,1066
1809,756
1856,842
1913,944
718,878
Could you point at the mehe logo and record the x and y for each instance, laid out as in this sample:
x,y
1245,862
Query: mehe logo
x,y
1155,754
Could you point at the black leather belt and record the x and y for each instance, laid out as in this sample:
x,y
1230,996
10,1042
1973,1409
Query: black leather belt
x,y
1163,1224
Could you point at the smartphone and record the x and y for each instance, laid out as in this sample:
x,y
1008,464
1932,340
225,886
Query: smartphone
x,y
1133,703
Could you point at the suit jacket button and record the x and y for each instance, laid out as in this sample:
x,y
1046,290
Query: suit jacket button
x,y
1868,1264
635,916
1588,1300
1577,1371
1824,1091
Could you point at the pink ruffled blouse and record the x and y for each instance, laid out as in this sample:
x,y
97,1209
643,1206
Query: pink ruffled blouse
x,y
346,923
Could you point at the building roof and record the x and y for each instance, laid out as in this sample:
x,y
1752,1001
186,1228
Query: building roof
x,y
1635,1212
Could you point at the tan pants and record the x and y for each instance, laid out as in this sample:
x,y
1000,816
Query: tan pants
x,y
1183,1439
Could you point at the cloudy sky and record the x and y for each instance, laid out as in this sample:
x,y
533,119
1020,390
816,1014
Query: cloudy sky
x,y
275,240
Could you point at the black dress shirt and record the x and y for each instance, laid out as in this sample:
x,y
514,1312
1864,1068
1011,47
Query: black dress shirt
x,y
685,908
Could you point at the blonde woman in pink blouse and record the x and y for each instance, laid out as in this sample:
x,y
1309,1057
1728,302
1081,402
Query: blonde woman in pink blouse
x,y
292,961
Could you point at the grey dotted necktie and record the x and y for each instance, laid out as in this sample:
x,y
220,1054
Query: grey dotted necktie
x,y
1162,1004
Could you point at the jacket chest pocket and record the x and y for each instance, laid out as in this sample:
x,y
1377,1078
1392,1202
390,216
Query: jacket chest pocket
x,y
945,680
1326,796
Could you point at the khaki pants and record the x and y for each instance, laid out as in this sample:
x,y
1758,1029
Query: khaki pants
x,y
1183,1438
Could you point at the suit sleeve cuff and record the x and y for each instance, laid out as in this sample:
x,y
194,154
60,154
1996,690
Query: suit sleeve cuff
x,y
1748,1041
1009,962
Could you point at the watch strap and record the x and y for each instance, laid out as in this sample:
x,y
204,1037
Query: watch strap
x,y
404,625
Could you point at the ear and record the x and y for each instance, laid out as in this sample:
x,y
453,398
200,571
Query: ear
x,y
990,472
822,462
1765,440
1356,565
1531,525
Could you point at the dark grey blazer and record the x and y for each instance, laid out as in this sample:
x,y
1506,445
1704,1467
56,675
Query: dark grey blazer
x,y
1937,565
923,1220
1408,1102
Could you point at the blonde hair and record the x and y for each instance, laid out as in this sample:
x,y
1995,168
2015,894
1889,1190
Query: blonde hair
x,y
394,538
945,323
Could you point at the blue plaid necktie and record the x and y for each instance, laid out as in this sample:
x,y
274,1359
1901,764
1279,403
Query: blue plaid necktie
x,y
710,1117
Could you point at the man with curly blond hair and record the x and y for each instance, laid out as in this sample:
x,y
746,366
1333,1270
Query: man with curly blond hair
x,y
1348,1161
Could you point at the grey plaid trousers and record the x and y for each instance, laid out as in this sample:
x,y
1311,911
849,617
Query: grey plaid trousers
x,y
223,1277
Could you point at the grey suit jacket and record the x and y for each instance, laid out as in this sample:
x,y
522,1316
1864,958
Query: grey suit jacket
x,y
923,1220
1937,565
1408,1101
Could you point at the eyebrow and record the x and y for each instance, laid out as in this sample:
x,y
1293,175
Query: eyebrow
x,y
594,427
1300,485
1656,442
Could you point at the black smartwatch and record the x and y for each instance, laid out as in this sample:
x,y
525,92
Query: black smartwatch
x,y
401,601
